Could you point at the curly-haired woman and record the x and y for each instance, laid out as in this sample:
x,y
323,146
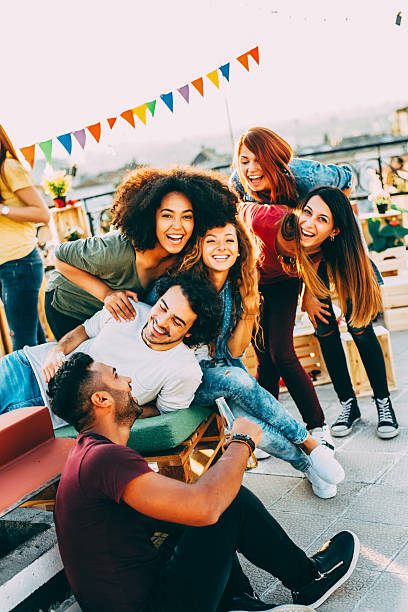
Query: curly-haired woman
x,y
159,215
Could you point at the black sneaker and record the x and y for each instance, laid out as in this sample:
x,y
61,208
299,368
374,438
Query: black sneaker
x,y
387,423
248,602
335,562
349,415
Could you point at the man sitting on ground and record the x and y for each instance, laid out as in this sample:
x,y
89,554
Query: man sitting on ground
x,y
110,503
154,349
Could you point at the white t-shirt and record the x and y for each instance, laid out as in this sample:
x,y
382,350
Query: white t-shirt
x,y
171,376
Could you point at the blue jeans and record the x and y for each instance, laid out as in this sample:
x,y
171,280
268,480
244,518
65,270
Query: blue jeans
x,y
20,281
18,385
246,398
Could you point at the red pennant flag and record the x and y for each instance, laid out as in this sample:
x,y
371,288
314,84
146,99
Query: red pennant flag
x,y
29,154
111,122
199,85
255,54
128,116
243,59
95,130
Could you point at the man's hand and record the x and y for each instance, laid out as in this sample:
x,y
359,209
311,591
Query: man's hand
x,y
53,361
315,308
246,426
118,304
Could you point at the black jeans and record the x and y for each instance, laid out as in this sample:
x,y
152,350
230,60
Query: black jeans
x,y
367,344
199,570
59,323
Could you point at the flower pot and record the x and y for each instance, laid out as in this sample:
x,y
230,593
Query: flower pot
x,y
382,208
60,202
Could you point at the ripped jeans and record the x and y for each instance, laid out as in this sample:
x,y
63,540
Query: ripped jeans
x,y
280,431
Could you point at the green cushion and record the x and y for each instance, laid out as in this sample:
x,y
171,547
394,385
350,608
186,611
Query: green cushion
x,y
157,433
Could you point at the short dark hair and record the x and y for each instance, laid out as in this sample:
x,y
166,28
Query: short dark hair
x,y
204,300
140,195
70,389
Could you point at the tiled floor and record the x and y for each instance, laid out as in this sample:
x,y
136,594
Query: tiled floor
x,y
372,502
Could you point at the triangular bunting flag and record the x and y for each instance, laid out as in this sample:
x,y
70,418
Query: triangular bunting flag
x,y
255,54
185,92
66,141
199,85
243,59
95,130
80,135
111,122
225,70
46,148
128,116
151,106
140,111
29,154
168,100
213,76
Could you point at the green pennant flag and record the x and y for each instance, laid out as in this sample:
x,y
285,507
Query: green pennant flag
x,y
46,148
151,106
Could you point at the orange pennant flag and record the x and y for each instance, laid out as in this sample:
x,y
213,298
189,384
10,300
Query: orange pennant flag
x,y
140,111
29,154
199,85
128,116
255,54
95,130
243,59
111,122
213,76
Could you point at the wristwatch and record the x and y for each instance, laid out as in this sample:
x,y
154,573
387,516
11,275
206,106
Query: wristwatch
x,y
5,210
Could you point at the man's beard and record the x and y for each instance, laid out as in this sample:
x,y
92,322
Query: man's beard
x,y
127,410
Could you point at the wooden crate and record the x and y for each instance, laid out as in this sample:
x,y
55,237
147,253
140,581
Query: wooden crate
x,y
5,338
308,350
391,262
359,379
68,217
394,295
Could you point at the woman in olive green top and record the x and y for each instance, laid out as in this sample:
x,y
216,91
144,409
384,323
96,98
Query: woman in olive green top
x,y
159,215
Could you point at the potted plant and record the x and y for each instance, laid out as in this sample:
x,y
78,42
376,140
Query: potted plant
x,y
386,237
73,233
57,184
382,203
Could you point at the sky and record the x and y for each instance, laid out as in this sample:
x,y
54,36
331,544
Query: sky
x,y
75,63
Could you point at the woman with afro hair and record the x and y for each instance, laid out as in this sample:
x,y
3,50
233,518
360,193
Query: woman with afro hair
x,y
159,216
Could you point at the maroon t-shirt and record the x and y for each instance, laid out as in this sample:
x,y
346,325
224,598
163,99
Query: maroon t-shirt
x,y
105,545
265,220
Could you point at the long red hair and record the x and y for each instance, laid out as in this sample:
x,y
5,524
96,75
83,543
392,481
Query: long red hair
x,y
273,154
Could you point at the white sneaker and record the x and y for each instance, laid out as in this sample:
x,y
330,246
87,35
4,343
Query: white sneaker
x,y
260,454
325,465
322,435
320,487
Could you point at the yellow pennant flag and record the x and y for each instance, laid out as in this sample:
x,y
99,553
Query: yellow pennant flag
x,y
140,111
213,76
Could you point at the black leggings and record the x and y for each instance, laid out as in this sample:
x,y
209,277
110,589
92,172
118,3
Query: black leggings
x,y
367,344
59,323
200,568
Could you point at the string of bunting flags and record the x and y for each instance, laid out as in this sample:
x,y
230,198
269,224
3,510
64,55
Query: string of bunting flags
x,y
140,111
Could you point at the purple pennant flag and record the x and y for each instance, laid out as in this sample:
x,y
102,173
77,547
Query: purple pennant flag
x,y
225,71
168,100
185,92
66,141
80,135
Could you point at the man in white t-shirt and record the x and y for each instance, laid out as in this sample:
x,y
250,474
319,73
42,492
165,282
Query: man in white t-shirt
x,y
154,349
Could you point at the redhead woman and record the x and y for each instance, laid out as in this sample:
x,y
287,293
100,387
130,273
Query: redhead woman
x,y
228,261
21,267
268,179
159,215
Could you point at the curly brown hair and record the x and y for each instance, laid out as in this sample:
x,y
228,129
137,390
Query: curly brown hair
x,y
140,195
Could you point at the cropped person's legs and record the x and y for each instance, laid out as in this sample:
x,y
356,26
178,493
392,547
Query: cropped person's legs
x,y
18,385
59,323
21,281
280,301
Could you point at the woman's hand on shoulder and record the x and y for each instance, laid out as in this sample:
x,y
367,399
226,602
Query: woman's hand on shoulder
x,y
314,308
53,361
119,305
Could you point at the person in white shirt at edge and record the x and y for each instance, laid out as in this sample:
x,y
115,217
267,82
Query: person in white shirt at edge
x,y
153,349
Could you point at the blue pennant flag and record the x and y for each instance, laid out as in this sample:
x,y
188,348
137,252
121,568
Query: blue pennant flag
x,y
225,71
168,100
66,141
